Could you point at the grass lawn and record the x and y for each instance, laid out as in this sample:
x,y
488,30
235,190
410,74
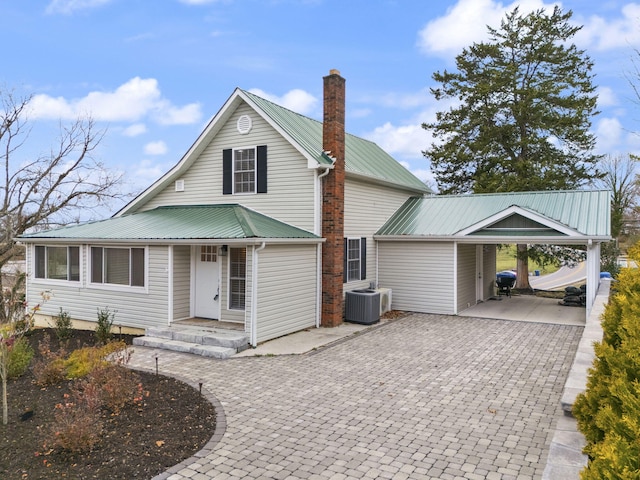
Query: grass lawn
x,y
506,260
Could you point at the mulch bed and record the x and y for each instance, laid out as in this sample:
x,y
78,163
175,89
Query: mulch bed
x,y
174,422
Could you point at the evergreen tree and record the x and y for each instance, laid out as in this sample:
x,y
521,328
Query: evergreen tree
x,y
523,103
608,412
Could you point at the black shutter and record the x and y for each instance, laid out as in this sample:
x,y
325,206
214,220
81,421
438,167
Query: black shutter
x,y
227,172
262,169
345,263
363,258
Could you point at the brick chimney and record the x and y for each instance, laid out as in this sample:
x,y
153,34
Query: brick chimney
x,y
333,201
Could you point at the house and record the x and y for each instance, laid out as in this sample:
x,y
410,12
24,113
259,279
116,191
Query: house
x,y
251,226
270,217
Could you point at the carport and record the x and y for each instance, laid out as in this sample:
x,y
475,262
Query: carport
x,y
437,253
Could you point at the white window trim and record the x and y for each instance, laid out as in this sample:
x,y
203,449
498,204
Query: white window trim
x,y
56,281
113,286
255,169
359,239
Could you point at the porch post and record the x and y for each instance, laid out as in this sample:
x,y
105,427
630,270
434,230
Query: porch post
x,y
593,273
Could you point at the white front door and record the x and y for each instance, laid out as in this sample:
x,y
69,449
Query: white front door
x,y
207,282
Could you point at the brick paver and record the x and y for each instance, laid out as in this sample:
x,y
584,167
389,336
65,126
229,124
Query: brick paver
x,y
423,397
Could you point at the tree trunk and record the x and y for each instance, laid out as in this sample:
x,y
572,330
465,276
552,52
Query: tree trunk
x,y
522,281
5,406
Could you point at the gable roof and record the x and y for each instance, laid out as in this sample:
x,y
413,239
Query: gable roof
x,y
363,159
227,222
553,216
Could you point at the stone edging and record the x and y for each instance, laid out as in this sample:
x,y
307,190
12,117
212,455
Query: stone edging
x,y
221,427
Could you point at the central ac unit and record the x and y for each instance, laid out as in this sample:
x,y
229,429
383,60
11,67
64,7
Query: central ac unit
x,y
385,300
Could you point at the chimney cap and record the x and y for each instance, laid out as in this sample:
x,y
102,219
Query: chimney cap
x,y
334,71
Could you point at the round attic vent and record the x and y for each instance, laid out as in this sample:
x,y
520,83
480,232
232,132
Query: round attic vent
x,y
244,124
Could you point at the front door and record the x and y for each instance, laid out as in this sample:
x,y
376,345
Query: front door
x,y
207,282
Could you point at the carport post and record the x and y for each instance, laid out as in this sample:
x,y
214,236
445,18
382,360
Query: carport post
x,y
593,273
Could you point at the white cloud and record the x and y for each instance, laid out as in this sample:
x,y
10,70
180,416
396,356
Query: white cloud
x,y
297,100
135,130
409,139
147,172
609,133
605,34
130,102
67,7
155,148
606,97
466,22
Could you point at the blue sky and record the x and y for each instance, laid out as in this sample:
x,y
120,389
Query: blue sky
x,y
153,72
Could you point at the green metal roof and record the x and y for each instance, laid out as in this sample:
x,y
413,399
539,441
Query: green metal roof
x,y
362,157
191,222
585,212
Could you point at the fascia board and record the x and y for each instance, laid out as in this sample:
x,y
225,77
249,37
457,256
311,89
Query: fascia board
x,y
576,240
514,209
172,241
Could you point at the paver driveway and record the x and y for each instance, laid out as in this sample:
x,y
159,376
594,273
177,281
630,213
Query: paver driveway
x,y
426,396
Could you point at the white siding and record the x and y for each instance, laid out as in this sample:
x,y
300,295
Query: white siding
x,y
466,276
290,196
420,275
133,308
286,290
181,282
366,208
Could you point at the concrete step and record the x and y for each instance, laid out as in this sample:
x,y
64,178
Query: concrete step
x,y
186,347
208,342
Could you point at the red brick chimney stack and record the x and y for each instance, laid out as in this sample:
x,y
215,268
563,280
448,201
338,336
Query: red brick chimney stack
x,y
333,134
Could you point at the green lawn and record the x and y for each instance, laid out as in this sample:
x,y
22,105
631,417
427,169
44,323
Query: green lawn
x,y
506,260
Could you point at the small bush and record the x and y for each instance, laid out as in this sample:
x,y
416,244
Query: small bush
x,y
20,356
85,360
63,326
105,323
76,427
117,386
49,369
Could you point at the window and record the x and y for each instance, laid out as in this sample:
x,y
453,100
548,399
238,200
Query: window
x,y
57,263
237,277
355,259
117,266
244,170
208,253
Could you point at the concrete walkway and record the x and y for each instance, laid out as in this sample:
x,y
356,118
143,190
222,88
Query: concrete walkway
x,y
422,397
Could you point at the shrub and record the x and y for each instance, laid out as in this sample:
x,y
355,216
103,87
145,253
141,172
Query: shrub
x,y
85,360
117,386
608,412
63,326
49,369
20,356
105,323
76,427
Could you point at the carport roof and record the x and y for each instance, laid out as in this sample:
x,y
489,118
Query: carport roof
x,y
570,214
226,222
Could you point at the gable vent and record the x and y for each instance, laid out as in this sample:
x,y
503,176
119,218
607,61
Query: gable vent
x,y
244,124
180,185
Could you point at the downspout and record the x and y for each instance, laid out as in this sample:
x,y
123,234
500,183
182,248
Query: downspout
x,y
327,169
254,296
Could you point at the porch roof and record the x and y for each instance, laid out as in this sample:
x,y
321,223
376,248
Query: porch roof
x,y
570,214
191,222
